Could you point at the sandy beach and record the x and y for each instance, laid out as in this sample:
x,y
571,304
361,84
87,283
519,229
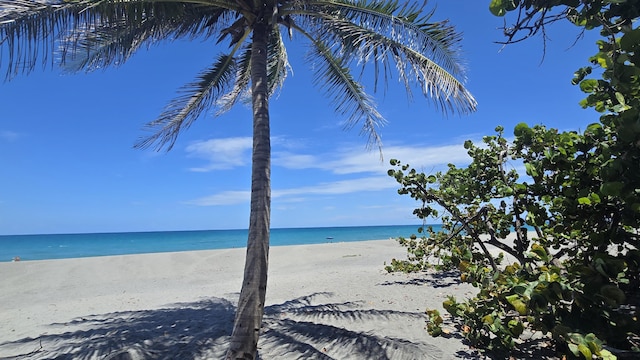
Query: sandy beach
x,y
328,301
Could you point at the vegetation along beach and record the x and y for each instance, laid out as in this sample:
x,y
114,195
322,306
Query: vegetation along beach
x,y
116,242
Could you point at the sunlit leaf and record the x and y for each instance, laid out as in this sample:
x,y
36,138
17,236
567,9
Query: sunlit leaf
x,y
588,85
584,201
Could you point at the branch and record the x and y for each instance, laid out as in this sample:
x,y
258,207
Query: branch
x,y
530,22
465,223
494,241
521,237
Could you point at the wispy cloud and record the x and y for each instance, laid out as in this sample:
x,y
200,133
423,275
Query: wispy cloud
x,y
228,153
297,194
374,183
225,153
356,160
223,198
9,135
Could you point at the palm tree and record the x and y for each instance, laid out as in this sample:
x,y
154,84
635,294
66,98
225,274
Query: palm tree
x,y
343,34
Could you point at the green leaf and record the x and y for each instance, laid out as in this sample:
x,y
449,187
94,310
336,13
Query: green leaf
x,y
594,128
630,40
584,103
576,338
540,252
497,7
516,327
584,201
517,304
588,85
585,351
580,75
574,349
521,129
611,188
607,355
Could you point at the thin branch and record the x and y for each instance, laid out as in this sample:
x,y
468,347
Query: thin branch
x,y
471,231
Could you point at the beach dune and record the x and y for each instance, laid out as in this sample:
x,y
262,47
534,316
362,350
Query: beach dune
x,y
326,301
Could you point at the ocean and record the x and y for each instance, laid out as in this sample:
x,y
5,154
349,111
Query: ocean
x,y
64,246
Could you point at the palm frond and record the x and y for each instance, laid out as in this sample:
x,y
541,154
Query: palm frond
x,y
112,43
27,30
390,35
447,92
240,85
10,10
277,69
348,95
277,61
403,22
89,34
184,110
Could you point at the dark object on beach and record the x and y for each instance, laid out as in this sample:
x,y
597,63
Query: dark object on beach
x,y
16,258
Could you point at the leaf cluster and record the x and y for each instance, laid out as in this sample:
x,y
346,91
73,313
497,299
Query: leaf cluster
x,y
576,277
567,237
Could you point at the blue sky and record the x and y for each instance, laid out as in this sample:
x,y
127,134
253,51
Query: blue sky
x,y
68,163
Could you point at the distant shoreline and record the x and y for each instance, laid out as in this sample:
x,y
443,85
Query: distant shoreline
x,y
204,230
67,246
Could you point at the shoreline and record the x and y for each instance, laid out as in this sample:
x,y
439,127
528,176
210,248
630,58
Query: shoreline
x,y
242,248
61,246
331,299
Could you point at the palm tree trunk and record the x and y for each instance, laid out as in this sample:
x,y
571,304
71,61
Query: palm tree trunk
x,y
246,329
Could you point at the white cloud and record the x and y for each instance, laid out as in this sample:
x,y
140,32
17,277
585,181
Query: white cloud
x,y
357,160
374,183
230,152
298,194
223,198
225,153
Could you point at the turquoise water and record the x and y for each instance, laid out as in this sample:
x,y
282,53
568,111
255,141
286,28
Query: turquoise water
x,y
61,246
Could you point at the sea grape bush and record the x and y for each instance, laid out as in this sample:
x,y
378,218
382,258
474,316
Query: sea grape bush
x,y
576,279
564,280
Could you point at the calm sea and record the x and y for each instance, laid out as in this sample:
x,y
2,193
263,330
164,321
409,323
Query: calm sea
x,y
61,246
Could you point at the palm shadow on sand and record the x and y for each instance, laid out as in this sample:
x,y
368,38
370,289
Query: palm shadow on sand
x,y
302,328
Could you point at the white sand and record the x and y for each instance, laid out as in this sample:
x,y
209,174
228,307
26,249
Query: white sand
x,y
329,301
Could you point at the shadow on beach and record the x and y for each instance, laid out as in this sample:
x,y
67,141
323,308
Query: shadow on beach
x,y
308,327
434,279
